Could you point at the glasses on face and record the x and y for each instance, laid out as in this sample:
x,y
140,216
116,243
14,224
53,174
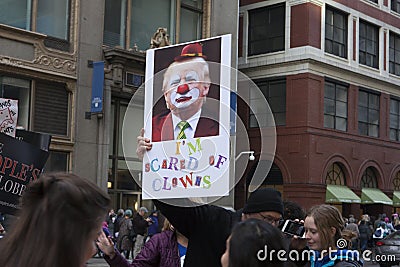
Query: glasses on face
x,y
271,219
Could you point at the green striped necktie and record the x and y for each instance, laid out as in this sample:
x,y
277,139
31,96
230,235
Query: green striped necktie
x,y
183,125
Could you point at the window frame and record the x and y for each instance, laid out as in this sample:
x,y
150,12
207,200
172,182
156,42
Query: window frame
x,y
266,93
394,61
270,36
397,8
173,28
32,19
397,115
368,123
363,52
344,31
335,116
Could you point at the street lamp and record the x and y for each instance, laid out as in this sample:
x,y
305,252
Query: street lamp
x,y
251,157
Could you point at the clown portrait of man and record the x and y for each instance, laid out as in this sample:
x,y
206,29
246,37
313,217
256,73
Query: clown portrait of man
x,y
184,110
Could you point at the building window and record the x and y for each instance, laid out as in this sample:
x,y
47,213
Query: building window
x,y
266,29
368,113
336,32
17,89
45,16
335,175
369,179
51,112
375,1
396,182
395,6
394,119
335,106
394,54
57,162
369,44
141,27
274,92
120,176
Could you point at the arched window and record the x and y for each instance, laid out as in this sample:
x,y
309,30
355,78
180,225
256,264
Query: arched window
x,y
369,179
396,182
335,175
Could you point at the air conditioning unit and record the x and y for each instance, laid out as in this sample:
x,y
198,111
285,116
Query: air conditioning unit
x,y
132,79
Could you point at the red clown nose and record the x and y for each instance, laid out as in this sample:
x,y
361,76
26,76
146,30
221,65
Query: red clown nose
x,y
183,89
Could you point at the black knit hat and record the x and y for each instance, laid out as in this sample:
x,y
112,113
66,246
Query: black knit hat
x,y
265,199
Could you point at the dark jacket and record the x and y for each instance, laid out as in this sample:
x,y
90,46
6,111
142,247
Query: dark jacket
x,y
139,224
160,251
207,227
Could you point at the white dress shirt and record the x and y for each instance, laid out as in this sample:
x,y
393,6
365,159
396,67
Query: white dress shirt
x,y
189,131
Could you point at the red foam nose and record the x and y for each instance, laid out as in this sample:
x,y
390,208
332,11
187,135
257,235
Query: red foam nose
x,y
183,89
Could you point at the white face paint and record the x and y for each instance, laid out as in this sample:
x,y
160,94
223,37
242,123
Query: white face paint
x,y
183,101
186,98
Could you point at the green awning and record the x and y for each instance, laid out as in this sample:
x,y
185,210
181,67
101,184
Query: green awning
x,y
396,199
340,194
374,196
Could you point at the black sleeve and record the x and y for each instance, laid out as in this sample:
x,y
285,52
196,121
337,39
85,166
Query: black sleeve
x,y
192,218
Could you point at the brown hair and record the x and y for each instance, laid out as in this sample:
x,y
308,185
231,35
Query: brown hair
x,y
325,218
60,213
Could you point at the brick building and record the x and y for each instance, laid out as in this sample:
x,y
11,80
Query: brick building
x,y
330,71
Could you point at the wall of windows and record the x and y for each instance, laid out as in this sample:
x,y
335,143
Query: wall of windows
x,y
132,23
336,32
266,29
45,16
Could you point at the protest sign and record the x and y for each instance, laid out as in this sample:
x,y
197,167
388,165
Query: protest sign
x,y
187,116
40,140
8,116
20,163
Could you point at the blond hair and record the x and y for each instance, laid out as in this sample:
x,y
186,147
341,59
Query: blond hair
x,y
327,218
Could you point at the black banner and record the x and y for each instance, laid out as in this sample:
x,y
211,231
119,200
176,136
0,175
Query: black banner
x,y
40,140
20,163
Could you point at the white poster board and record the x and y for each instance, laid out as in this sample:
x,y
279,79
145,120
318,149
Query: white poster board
x,y
188,82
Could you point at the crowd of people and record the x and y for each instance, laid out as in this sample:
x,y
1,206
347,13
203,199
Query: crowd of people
x,y
205,235
65,220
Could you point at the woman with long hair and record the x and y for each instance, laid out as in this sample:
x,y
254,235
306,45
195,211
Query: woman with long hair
x,y
60,219
324,225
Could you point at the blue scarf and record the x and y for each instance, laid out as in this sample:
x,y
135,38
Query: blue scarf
x,y
330,260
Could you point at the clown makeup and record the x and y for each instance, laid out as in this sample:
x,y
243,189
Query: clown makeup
x,y
184,92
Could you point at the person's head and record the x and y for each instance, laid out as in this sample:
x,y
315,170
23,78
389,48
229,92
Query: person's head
x,y
247,239
292,211
154,213
265,204
120,212
61,216
187,82
324,225
352,220
128,213
142,211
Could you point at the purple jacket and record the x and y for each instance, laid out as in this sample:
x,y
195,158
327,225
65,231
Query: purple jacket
x,y
160,251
